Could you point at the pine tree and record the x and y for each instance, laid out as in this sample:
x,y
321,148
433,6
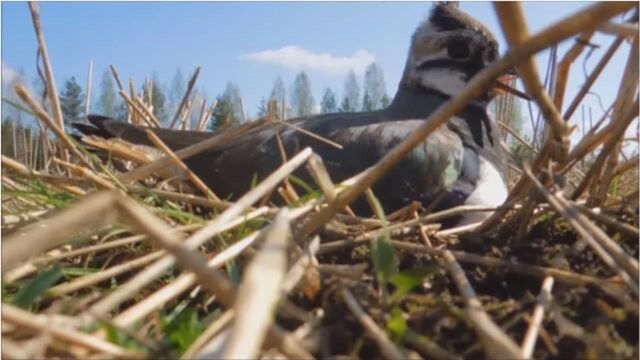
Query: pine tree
x,y
351,97
301,98
71,100
107,99
228,111
328,103
385,101
158,100
374,88
177,90
262,108
278,94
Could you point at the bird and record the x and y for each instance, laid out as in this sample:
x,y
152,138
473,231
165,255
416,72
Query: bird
x,y
461,163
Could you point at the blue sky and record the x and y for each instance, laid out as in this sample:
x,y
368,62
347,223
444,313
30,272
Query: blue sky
x,y
144,37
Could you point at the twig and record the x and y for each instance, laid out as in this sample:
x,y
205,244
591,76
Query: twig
x,y
24,95
544,298
14,315
496,343
94,211
215,140
181,165
86,173
104,275
87,98
214,328
595,73
626,30
259,292
607,249
181,284
52,90
387,347
213,228
190,85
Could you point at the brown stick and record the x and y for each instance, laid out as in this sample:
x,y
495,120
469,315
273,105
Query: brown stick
x,y
52,90
24,95
190,85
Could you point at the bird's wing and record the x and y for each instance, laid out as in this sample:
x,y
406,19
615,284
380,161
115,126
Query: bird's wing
x,y
107,127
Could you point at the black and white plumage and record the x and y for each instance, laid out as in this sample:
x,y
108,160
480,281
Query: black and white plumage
x,y
460,163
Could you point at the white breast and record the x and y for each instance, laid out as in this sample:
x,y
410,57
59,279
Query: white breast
x,y
490,191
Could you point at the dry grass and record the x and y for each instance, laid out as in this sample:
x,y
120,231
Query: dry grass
x,y
98,263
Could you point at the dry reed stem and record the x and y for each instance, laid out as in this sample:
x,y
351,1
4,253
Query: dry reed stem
x,y
511,16
202,123
609,251
181,165
627,91
496,343
618,127
87,98
428,347
512,266
576,23
319,172
592,140
387,348
154,120
595,74
215,140
607,220
202,112
624,30
301,266
212,330
92,212
50,85
259,292
565,64
544,299
42,115
206,233
85,173
188,258
309,133
626,166
103,275
119,148
41,323
179,197
185,97
137,113
47,259
178,286
579,22
121,88
26,216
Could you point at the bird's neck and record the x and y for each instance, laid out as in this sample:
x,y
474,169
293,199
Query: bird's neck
x,y
420,102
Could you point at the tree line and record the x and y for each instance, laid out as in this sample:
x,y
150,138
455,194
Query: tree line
x,y
296,101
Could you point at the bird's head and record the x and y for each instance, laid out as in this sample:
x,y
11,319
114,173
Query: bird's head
x,y
447,50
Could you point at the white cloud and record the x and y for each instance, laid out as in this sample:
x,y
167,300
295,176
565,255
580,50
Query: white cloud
x,y
298,58
8,75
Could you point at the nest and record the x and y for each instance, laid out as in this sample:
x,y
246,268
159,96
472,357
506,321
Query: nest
x,y
116,257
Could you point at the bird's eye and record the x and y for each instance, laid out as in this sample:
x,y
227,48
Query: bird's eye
x,y
458,49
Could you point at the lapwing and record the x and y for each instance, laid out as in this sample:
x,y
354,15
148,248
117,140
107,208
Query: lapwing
x,y
462,162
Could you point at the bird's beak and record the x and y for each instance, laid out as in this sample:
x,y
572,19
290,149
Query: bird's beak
x,y
500,86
